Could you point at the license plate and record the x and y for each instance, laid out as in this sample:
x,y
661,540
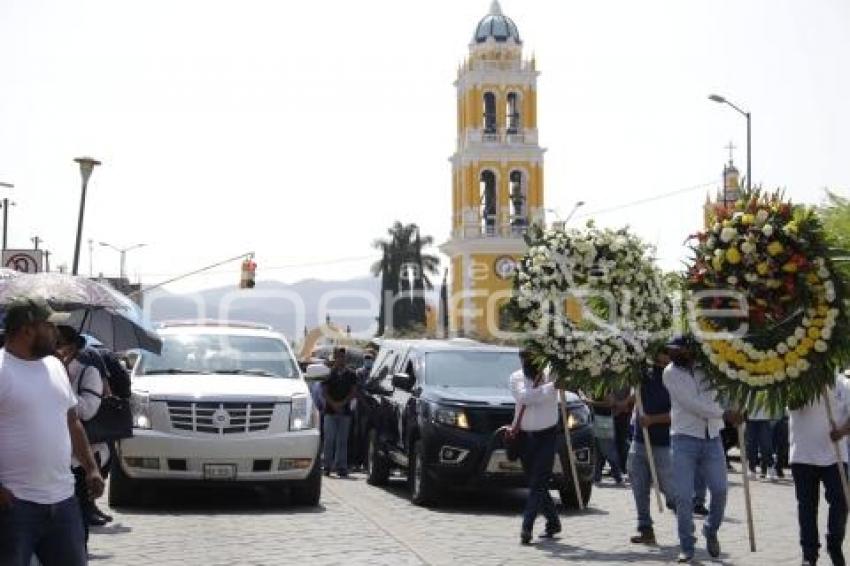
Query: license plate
x,y
220,472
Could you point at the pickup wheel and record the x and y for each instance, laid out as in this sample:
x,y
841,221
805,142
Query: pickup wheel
x,y
123,491
568,494
423,489
377,466
309,492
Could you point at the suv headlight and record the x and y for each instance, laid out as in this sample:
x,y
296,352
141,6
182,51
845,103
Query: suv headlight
x,y
579,415
140,407
300,415
451,416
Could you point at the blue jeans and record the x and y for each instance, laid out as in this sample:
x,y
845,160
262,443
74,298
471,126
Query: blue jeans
x,y
641,479
807,480
335,453
691,454
538,457
53,533
760,444
700,489
607,448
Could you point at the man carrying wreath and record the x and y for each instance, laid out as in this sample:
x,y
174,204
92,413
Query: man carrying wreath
x,y
696,421
813,461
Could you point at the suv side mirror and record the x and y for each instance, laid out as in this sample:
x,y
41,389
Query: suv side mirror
x,y
402,381
316,372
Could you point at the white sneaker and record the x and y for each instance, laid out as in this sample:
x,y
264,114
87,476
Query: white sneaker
x,y
771,475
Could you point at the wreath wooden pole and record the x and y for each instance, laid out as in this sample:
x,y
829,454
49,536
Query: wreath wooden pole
x,y
570,455
748,502
838,459
648,445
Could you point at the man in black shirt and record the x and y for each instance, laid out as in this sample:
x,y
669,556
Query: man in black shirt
x,y
338,391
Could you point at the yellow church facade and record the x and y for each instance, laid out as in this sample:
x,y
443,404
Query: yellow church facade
x,y
497,175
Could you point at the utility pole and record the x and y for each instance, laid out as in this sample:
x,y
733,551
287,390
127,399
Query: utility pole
x,y
6,214
36,241
47,260
91,258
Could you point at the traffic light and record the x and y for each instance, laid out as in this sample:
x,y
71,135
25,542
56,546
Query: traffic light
x,y
249,273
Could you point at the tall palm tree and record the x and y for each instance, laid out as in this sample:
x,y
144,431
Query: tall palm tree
x,y
400,252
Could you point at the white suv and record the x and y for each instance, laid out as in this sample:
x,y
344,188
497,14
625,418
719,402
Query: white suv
x,y
224,402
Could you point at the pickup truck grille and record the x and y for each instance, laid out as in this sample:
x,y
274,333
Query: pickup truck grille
x,y
487,420
220,418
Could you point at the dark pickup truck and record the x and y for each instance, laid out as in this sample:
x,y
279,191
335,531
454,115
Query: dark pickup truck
x,y
434,408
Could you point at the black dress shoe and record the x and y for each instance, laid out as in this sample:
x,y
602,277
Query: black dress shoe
x,y
96,511
525,537
94,520
551,531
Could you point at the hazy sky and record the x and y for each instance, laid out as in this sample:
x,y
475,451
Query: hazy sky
x,y
301,130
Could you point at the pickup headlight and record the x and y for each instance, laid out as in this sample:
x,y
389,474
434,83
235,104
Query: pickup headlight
x,y
578,416
451,416
140,407
300,415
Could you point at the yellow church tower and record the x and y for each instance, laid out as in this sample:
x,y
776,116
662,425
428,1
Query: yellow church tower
x,y
497,175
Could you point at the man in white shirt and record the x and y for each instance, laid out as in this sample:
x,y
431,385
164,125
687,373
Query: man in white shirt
x,y
39,432
813,461
537,419
696,419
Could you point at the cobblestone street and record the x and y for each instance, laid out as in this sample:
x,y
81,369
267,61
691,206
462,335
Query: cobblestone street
x,y
361,524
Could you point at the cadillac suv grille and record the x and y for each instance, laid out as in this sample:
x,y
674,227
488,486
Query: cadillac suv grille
x,y
220,418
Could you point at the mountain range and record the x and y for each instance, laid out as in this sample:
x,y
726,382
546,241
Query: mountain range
x,y
288,308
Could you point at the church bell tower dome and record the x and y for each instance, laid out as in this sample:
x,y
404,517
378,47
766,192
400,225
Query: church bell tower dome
x,y
496,27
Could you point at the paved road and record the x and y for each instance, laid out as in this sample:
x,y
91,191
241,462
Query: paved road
x,y
361,524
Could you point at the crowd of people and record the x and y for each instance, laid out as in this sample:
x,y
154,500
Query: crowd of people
x,y
51,385
684,424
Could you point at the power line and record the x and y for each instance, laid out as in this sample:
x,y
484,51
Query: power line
x,y
280,267
647,200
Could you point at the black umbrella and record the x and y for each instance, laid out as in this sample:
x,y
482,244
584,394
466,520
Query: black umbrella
x,y
116,330
96,309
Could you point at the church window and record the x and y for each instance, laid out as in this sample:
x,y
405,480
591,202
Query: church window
x,y
512,111
488,202
489,113
519,198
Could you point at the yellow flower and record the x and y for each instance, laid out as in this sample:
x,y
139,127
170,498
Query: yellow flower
x,y
791,358
807,343
790,267
763,268
814,333
717,263
747,219
775,248
822,310
733,256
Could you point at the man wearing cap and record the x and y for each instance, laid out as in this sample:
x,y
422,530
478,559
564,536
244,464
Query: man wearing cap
x,y
696,419
39,432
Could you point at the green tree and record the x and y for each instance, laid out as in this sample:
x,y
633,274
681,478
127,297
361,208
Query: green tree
x,y
835,213
404,270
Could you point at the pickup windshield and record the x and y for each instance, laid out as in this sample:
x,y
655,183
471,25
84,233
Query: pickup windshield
x,y
209,354
470,369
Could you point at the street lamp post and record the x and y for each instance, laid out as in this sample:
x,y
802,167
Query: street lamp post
x,y
87,165
5,206
721,100
578,205
123,253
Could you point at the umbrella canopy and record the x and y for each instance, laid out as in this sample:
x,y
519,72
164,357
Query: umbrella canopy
x,y
96,309
63,292
116,330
